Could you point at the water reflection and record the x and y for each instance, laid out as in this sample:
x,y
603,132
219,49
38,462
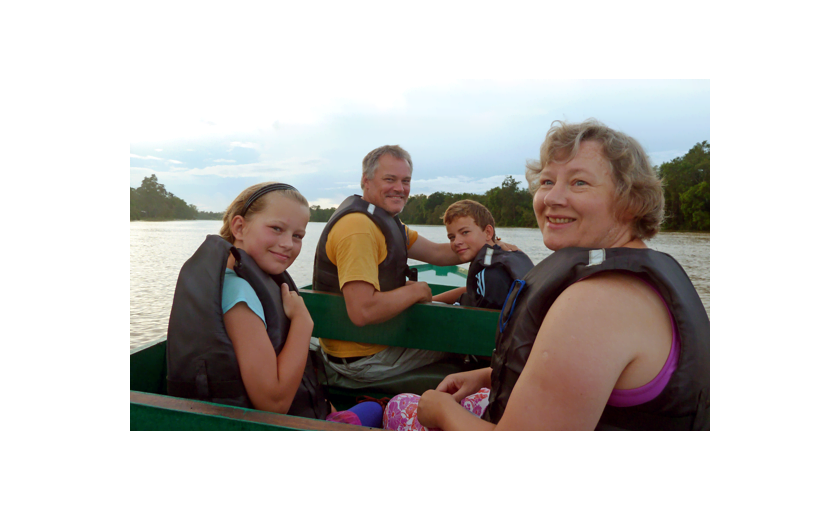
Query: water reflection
x,y
159,249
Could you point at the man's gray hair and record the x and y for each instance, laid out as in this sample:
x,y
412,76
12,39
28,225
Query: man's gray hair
x,y
371,161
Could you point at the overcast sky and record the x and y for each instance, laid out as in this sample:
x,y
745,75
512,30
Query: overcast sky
x,y
463,136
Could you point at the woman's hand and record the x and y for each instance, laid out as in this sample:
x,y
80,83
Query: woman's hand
x,y
293,304
464,384
433,407
438,410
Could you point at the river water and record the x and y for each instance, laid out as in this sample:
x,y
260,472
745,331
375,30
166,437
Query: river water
x,y
159,249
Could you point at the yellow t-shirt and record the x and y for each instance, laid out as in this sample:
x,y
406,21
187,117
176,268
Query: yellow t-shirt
x,y
356,246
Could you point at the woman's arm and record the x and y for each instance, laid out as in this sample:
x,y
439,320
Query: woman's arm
x,y
270,381
606,331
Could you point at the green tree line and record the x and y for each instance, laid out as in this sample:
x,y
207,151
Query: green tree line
x,y
509,204
318,214
151,201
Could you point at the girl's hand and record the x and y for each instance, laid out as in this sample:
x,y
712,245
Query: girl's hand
x,y
293,304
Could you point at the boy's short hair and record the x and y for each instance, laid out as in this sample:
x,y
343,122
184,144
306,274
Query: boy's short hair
x,y
470,208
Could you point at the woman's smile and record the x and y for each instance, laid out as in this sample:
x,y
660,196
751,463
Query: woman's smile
x,y
557,221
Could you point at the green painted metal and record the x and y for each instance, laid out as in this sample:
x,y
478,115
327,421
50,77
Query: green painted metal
x,y
149,417
160,412
148,368
429,326
440,279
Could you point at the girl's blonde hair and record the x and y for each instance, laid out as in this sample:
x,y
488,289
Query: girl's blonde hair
x,y
235,208
638,190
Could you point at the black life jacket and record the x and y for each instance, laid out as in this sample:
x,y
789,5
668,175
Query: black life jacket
x,y
491,273
684,402
392,271
201,362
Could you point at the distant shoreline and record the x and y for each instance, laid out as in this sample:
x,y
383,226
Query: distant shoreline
x,y
411,224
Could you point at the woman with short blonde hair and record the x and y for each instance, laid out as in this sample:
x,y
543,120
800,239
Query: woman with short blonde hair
x,y
638,189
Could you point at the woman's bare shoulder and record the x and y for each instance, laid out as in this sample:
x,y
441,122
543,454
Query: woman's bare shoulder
x,y
622,315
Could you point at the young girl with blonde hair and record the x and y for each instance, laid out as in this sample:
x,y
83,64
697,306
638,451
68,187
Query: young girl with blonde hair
x,y
239,332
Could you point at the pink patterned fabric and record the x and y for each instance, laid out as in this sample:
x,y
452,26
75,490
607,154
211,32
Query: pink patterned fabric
x,y
344,417
401,412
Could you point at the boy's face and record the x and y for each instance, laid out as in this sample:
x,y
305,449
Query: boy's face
x,y
466,238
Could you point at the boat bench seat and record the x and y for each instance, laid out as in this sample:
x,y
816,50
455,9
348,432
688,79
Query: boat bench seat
x,y
431,326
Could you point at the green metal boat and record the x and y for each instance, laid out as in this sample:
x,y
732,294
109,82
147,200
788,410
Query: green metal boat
x,y
458,330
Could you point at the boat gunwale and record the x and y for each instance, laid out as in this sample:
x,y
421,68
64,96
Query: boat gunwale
x,y
240,414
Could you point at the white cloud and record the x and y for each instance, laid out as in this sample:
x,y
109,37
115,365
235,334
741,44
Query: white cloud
x,y
146,157
224,161
455,184
159,150
244,145
276,170
175,161
306,101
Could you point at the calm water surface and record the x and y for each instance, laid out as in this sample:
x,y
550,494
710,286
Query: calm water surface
x,y
159,249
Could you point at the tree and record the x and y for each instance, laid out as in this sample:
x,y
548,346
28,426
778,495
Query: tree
x,y
696,206
151,201
510,205
414,210
320,215
432,207
134,206
680,175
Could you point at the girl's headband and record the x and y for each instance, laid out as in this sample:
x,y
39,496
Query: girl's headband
x,y
262,191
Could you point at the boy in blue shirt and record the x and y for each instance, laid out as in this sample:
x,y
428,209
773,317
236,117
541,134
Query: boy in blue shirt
x,y
472,236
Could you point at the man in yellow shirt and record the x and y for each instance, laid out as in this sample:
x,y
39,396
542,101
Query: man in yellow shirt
x,y
363,254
